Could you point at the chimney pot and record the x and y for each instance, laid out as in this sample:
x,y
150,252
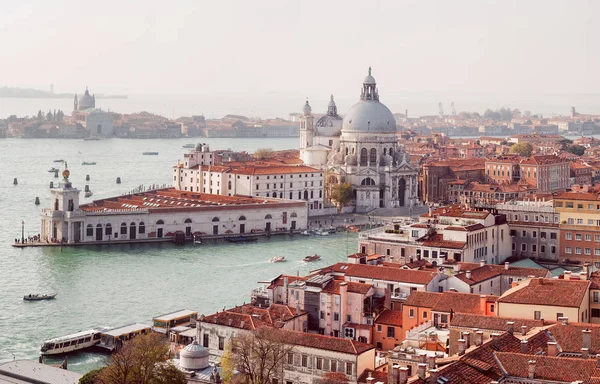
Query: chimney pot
x,y
431,362
421,370
524,330
552,348
567,275
403,375
478,338
468,274
495,340
564,320
433,376
587,338
524,346
467,337
585,353
461,346
423,358
510,327
506,265
531,373
482,263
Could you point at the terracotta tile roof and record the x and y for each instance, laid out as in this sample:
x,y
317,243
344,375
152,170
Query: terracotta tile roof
x,y
494,323
379,376
561,369
279,281
547,159
379,272
328,343
569,337
423,299
561,293
459,302
250,317
489,271
437,241
390,317
457,210
333,287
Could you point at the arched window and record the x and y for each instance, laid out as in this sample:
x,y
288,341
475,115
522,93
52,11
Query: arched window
x,y
293,214
268,217
281,195
373,156
142,227
242,218
187,221
56,205
305,195
367,181
274,194
98,226
384,151
123,228
291,197
160,222
390,152
229,184
363,156
215,219
267,194
108,230
89,230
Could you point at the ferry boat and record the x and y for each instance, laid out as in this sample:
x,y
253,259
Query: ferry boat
x,y
74,342
112,340
149,153
37,296
310,258
277,259
188,146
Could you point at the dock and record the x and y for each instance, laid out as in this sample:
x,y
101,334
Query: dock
x,y
113,339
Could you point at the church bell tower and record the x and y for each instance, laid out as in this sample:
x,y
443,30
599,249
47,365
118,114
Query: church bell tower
x,y
307,125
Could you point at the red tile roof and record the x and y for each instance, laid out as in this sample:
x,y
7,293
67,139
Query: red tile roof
x,y
379,272
493,323
437,241
561,369
459,302
570,339
250,317
423,299
489,271
390,317
328,343
561,293
379,376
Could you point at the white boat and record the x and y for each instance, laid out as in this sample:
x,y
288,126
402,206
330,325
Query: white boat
x,y
74,342
188,146
321,232
305,233
277,259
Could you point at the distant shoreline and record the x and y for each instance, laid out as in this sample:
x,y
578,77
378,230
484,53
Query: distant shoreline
x,y
22,93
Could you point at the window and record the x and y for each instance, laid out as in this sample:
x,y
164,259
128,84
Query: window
x,y
142,227
221,343
553,235
349,318
578,250
588,251
597,238
559,315
378,345
595,296
579,206
492,308
578,236
391,332
524,234
543,235
322,315
89,230
336,316
319,363
537,315
534,233
542,248
558,204
524,247
571,221
580,221
533,248
348,369
568,250
333,366
514,246
411,313
568,236
349,333
588,237
304,361
378,327
123,229
553,249
595,312
590,221
569,204
597,252
290,358
205,340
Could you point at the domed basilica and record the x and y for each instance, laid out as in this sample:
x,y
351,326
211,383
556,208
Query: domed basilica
x,y
361,149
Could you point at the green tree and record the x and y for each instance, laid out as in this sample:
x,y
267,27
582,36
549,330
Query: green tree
x,y
523,149
90,377
143,360
341,193
575,149
49,116
505,114
40,116
263,153
494,115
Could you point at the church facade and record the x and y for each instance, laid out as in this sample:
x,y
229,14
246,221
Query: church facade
x,y
360,149
98,122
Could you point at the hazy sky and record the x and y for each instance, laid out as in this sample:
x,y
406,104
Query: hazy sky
x,y
295,49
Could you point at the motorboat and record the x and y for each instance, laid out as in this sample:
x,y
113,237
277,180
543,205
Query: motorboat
x,y
310,258
188,146
59,161
306,233
322,232
149,153
72,342
89,194
241,239
37,296
197,239
88,163
91,139
277,259
52,170
332,230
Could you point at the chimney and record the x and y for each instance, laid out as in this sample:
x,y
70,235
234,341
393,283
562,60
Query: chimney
x,y
456,268
394,372
422,358
468,274
510,327
421,370
478,338
230,321
283,317
467,337
242,324
564,320
524,346
531,370
403,375
585,353
495,340
524,330
552,348
506,265
567,275
482,263
461,346
431,362
583,276
587,338
586,270
433,376
483,304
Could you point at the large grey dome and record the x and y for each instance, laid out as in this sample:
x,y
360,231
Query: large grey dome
x,y
86,101
369,116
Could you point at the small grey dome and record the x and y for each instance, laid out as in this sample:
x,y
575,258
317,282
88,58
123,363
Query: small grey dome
x,y
306,109
194,350
194,356
369,80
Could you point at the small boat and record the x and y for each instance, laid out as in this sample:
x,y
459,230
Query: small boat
x,y
89,194
277,259
38,296
91,139
322,232
149,153
197,239
188,146
59,161
73,342
332,230
241,239
88,163
52,170
306,233
310,258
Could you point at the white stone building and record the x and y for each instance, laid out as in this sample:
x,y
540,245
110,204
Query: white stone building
x,y
361,149
98,122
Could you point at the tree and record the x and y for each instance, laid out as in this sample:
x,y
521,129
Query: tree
x,y
523,149
333,378
259,356
575,149
90,377
494,115
341,193
263,153
143,360
49,116
40,116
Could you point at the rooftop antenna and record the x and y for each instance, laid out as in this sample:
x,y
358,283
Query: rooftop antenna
x,y
52,89
441,109
453,109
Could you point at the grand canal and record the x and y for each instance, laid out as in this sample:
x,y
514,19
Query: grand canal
x,y
116,285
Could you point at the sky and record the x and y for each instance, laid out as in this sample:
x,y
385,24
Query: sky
x,y
290,50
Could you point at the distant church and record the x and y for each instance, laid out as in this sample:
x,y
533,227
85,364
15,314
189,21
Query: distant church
x,y
361,149
96,121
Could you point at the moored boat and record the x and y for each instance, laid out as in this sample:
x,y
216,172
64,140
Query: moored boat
x,y
91,139
72,342
306,233
88,163
188,146
59,161
149,153
322,232
277,259
89,194
52,170
310,258
37,296
241,239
